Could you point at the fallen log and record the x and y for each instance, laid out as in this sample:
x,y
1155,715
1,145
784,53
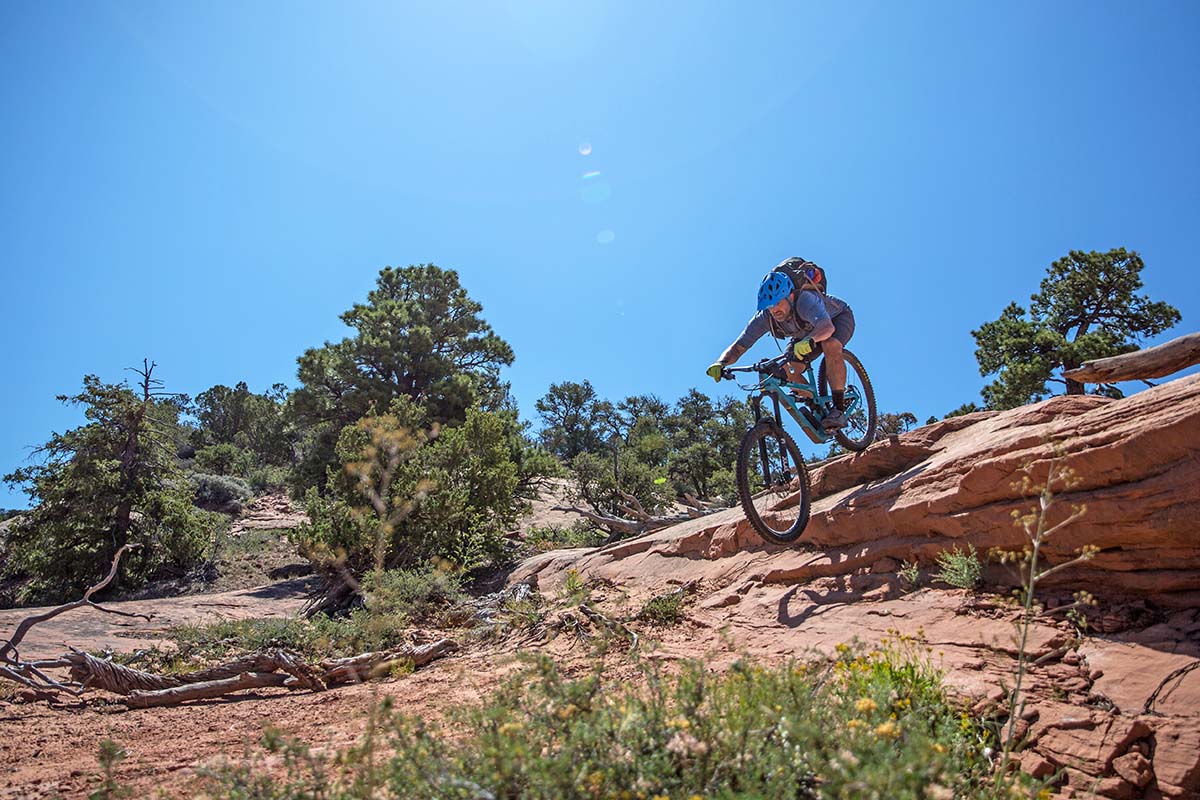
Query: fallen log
x,y
1153,362
87,670
368,665
144,689
203,691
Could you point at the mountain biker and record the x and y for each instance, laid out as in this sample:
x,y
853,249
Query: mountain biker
x,y
813,322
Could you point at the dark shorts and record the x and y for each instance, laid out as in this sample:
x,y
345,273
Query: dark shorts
x,y
843,331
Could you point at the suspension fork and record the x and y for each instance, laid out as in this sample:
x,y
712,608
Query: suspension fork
x,y
763,455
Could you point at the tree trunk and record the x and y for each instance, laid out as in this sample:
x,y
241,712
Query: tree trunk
x,y
1155,362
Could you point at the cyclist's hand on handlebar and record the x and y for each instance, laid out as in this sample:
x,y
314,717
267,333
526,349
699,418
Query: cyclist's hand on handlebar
x,y
803,347
715,371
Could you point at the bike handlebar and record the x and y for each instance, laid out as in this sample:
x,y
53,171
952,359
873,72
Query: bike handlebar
x,y
764,366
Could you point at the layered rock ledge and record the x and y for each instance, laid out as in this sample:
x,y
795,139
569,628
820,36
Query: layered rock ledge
x,y
1120,714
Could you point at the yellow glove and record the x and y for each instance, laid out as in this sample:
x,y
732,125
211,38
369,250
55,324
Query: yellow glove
x,y
715,371
803,347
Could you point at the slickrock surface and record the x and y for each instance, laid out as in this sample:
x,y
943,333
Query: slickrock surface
x,y
1121,713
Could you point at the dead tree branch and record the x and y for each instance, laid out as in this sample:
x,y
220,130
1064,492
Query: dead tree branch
x,y
144,690
1153,362
8,650
636,526
30,674
203,691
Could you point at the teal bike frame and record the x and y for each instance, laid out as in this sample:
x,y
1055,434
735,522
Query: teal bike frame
x,y
813,406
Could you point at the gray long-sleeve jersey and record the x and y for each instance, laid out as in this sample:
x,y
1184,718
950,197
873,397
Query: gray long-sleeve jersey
x,y
809,310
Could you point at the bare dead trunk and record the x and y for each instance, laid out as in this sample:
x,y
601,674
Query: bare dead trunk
x,y
1153,362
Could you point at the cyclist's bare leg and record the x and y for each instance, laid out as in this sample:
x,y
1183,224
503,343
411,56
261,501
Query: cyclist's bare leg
x,y
835,363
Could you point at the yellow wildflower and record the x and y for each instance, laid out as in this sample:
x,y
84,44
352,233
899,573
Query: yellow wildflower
x,y
865,705
888,730
855,724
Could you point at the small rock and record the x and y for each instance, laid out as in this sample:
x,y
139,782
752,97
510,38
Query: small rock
x,y
1117,789
1031,715
1135,768
1073,658
1095,675
1033,763
885,565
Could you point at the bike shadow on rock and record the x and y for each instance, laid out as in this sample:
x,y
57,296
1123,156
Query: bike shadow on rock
x,y
818,603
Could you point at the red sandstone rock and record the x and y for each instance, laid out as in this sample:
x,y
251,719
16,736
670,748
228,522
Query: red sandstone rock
x,y
914,496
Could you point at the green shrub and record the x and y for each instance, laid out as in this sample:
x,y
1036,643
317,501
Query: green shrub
x,y
403,497
416,596
269,479
665,609
542,539
868,725
224,459
220,492
959,569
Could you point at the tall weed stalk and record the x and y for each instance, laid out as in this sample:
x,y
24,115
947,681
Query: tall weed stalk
x,y
1030,562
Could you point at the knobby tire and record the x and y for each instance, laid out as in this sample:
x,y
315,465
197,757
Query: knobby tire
x,y
853,365
749,459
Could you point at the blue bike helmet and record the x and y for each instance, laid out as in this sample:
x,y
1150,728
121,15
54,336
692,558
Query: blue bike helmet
x,y
775,287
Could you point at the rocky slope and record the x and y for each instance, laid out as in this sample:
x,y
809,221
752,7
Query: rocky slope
x,y
1120,714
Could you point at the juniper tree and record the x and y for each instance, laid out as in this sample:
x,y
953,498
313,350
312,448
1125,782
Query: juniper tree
x,y
1087,308
112,481
418,336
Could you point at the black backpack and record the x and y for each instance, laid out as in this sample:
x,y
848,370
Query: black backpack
x,y
804,274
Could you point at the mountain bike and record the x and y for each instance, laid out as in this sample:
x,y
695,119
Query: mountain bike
x,y
769,463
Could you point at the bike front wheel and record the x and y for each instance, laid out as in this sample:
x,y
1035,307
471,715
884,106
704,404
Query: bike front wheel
x,y
769,466
860,399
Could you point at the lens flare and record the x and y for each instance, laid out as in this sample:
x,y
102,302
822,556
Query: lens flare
x,y
605,237
587,176
585,148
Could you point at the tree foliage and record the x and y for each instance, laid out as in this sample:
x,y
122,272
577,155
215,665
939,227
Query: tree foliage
x,y
1087,308
406,491
642,446
112,481
418,336
253,423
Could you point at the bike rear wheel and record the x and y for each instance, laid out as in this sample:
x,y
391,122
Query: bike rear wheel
x,y
860,422
770,463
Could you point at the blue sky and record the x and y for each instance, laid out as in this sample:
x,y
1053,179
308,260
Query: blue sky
x,y
211,184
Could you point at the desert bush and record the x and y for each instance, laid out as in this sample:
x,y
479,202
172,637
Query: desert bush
x,y
665,609
416,596
269,479
542,539
224,459
876,724
960,570
219,492
405,496
910,575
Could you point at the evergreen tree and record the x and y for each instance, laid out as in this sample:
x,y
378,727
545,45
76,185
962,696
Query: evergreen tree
x,y
573,419
418,336
1087,308
110,482
253,423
